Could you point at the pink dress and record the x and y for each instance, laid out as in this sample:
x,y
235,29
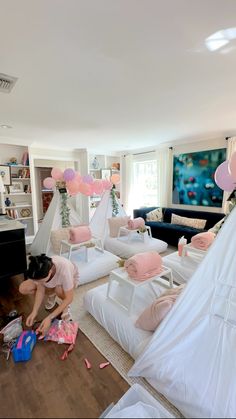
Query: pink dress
x,y
66,275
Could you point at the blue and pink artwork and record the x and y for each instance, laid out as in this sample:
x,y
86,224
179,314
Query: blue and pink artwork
x,y
193,178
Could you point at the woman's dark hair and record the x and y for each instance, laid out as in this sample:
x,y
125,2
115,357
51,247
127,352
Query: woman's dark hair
x,y
39,266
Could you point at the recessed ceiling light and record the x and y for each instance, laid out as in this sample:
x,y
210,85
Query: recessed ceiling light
x,y
4,126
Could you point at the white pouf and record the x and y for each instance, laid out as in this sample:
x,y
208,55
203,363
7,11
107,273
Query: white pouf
x,y
125,248
99,264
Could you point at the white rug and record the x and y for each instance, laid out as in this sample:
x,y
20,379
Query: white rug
x,y
120,360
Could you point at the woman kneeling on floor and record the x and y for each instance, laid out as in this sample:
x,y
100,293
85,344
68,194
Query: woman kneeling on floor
x,y
54,277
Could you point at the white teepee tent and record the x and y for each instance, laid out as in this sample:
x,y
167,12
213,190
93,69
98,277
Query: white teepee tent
x,y
191,357
99,221
52,221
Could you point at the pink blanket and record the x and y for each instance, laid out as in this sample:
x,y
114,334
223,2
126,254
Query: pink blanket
x,y
143,265
203,240
136,223
79,234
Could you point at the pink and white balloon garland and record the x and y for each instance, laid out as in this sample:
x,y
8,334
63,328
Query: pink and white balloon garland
x,y
75,183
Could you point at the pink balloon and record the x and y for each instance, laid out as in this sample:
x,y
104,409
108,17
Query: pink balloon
x,y
72,187
106,184
84,188
49,183
69,174
115,179
223,179
232,166
98,187
57,174
78,177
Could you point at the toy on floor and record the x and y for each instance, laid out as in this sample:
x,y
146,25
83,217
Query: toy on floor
x,y
24,346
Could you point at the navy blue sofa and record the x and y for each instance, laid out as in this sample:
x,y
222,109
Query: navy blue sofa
x,y
171,233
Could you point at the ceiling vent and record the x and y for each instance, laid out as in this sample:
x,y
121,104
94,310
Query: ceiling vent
x,y
7,82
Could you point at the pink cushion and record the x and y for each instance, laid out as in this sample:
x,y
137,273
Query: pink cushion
x,y
115,223
152,316
80,234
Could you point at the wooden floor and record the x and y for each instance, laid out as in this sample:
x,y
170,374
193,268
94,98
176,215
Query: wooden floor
x,y
47,387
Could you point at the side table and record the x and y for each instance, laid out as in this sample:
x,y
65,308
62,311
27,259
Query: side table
x,y
128,232
121,277
70,247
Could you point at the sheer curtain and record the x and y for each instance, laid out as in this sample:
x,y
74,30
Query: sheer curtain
x,y
231,148
128,184
164,172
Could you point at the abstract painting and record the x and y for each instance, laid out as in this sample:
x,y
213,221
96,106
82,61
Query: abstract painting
x,y
193,178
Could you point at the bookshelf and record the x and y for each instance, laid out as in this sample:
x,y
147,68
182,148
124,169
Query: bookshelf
x,y
18,195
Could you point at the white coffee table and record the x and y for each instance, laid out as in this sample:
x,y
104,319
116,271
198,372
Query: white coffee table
x,y
125,231
189,248
98,245
121,277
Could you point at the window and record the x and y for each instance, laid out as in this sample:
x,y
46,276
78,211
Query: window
x,y
144,188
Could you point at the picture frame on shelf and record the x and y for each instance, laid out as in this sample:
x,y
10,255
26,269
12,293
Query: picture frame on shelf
x,y
106,174
5,172
16,187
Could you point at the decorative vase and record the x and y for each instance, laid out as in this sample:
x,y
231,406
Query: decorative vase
x,y
95,163
7,202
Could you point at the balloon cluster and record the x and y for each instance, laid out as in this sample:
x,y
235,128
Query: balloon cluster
x,y
76,183
225,174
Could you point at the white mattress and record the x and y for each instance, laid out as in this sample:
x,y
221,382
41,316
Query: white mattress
x,y
116,321
182,268
125,248
99,264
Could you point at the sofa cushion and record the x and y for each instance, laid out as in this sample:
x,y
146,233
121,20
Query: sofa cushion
x,y
211,217
155,215
186,221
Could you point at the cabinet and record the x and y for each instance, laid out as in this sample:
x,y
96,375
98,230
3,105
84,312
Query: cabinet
x,y
12,247
102,167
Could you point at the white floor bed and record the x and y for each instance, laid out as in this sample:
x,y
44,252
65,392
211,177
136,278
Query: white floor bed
x,y
125,248
116,321
182,268
99,264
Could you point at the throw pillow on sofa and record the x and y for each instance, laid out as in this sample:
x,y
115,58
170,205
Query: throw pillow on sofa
x,y
155,215
189,222
115,223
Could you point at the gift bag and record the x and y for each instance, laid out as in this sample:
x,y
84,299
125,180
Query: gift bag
x,y
63,332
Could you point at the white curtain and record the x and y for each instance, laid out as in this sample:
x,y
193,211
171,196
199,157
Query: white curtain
x,y
127,186
231,148
164,171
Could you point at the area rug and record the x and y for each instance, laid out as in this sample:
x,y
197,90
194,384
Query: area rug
x,y
118,358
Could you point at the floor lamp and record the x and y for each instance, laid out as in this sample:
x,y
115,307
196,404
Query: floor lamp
x,y
2,190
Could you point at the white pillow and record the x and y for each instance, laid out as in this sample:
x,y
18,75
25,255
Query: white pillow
x,y
115,223
57,236
215,229
155,215
189,222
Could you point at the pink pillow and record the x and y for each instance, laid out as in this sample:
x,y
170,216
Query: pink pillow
x,y
153,315
79,234
115,223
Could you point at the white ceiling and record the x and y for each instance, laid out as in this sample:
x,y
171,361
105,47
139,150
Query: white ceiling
x,y
111,75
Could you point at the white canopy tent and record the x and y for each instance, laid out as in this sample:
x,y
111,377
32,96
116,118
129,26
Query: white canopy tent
x,y
99,221
191,357
52,221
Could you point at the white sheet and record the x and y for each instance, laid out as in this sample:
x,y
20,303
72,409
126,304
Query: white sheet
x,y
99,264
138,403
125,248
182,268
190,358
116,321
